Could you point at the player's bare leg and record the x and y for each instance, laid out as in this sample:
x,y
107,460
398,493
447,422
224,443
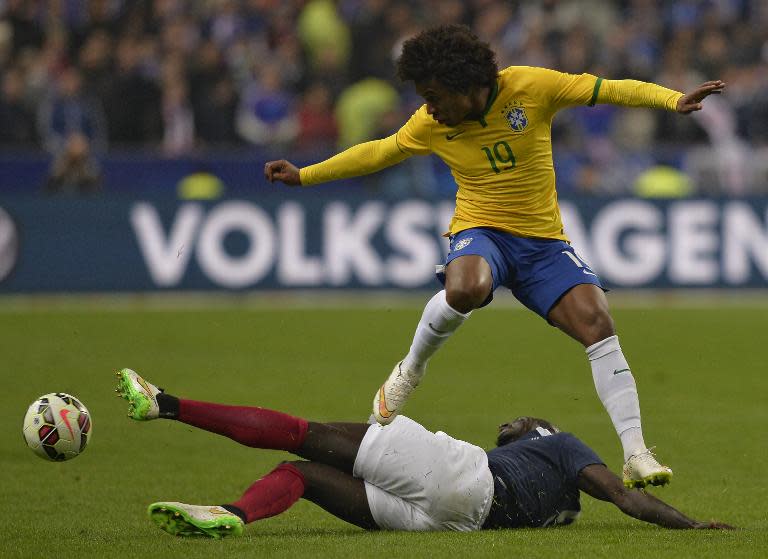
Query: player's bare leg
x,y
337,492
333,444
583,314
468,282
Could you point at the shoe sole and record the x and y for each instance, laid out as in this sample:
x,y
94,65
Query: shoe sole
x,y
177,522
138,404
655,479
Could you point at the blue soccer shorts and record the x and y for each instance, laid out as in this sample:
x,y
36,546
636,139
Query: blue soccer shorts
x,y
537,271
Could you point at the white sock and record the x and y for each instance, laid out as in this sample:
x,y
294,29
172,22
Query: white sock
x,y
617,390
437,323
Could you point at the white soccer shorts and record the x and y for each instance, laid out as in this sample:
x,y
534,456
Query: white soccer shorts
x,y
416,480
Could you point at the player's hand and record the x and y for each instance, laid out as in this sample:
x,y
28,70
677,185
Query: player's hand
x,y
691,102
713,525
283,171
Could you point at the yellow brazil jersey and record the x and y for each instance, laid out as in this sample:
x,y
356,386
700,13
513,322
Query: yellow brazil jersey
x,y
501,163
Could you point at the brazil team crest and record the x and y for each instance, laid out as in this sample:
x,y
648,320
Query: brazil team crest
x,y
516,116
517,119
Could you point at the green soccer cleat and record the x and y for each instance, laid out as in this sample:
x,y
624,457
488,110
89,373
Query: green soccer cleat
x,y
210,521
643,469
140,394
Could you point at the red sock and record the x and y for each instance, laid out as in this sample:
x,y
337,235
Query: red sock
x,y
272,494
256,427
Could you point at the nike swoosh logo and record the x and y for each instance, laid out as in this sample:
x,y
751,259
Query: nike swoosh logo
x,y
383,411
450,137
435,330
64,413
589,273
619,371
143,384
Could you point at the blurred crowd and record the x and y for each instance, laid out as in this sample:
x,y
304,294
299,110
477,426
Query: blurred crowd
x,y
304,78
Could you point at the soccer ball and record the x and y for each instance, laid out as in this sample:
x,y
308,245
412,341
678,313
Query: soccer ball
x,y
57,427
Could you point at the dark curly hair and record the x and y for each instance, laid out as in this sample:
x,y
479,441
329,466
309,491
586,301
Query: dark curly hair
x,y
451,54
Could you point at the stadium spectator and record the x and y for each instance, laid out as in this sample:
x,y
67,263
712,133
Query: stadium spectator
x,y
266,114
178,119
361,108
317,124
74,171
18,121
371,38
400,477
213,96
325,37
96,17
25,32
215,116
70,110
133,101
227,24
95,61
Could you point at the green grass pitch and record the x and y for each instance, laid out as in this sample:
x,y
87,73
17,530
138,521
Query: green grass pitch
x,y
702,377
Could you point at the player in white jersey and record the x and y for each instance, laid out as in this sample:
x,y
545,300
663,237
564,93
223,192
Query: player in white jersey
x,y
399,477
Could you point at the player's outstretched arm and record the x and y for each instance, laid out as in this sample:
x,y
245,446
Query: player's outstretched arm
x,y
599,482
283,171
361,159
633,93
691,102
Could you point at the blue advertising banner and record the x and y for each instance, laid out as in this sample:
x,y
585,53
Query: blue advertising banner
x,y
308,240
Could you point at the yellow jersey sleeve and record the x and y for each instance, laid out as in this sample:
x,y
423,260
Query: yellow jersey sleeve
x,y
415,137
366,158
566,90
633,93
358,160
559,90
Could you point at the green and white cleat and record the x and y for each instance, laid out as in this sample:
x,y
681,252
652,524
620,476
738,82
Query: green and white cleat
x,y
643,469
210,521
140,394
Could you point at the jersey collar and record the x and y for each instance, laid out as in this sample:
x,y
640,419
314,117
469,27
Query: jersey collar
x,y
491,98
536,433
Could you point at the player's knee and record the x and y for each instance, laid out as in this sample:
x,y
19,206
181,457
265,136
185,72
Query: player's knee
x,y
598,325
468,295
298,464
304,467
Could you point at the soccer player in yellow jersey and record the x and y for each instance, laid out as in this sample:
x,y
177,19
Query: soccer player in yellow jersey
x,y
493,129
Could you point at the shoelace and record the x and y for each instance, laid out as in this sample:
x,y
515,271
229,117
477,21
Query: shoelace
x,y
644,455
399,388
647,455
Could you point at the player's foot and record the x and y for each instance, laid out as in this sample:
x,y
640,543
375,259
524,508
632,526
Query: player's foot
x,y
211,521
140,394
391,397
643,469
